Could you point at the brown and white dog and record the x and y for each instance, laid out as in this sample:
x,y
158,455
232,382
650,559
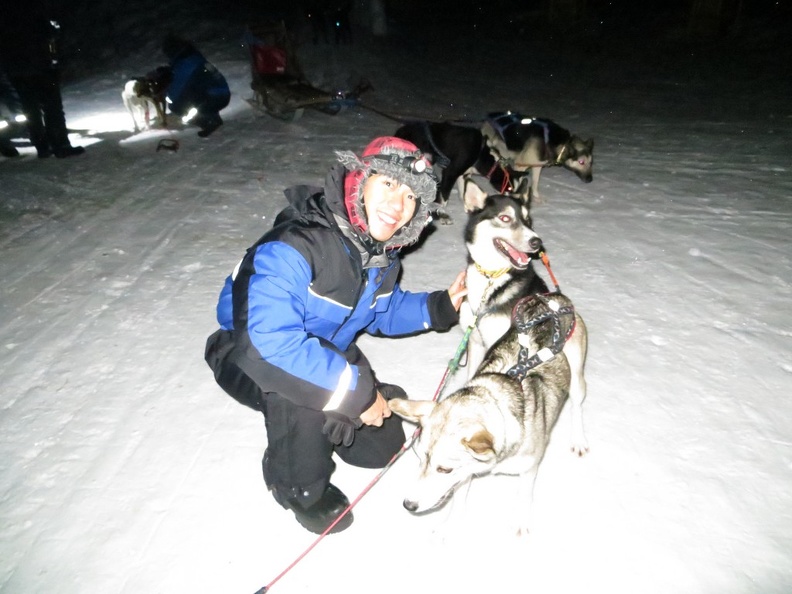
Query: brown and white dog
x,y
142,93
499,155
531,144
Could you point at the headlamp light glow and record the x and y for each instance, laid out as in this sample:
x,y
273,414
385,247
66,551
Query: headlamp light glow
x,y
190,115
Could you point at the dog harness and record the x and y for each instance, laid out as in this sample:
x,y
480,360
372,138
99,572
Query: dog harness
x,y
553,312
502,123
442,159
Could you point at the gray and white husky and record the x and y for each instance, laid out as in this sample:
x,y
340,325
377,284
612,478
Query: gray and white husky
x,y
500,421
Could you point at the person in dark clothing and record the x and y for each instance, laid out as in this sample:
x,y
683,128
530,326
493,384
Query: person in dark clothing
x,y
28,52
10,110
291,311
198,91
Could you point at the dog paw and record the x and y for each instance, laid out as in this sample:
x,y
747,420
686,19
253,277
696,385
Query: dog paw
x,y
580,449
441,216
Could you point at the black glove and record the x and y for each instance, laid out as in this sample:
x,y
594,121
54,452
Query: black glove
x,y
389,391
339,428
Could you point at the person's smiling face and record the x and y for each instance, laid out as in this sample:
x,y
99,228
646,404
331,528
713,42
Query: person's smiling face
x,y
389,206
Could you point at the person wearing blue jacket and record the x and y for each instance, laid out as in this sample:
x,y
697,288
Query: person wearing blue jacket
x,y
290,312
196,85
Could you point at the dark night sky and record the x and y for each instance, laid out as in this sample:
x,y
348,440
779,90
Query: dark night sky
x,y
98,33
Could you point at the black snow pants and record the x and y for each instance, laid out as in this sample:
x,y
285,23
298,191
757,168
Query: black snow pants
x,y
41,101
298,460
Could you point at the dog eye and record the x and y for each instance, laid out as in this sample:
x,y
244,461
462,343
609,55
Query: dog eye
x,y
505,218
444,470
582,161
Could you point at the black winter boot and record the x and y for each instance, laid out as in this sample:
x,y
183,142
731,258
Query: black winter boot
x,y
68,151
209,124
318,516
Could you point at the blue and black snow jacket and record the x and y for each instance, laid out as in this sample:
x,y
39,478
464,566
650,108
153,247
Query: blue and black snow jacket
x,y
196,83
300,297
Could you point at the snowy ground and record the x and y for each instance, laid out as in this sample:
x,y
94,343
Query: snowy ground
x,y
125,469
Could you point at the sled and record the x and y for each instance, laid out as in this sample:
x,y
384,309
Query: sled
x,y
280,88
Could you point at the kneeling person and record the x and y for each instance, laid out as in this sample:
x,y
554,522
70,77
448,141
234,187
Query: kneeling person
x,y
290,313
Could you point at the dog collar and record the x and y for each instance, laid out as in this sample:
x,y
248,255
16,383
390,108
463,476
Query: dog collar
x,y
491,274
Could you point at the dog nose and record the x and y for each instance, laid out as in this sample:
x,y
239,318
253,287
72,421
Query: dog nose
x,y
535,244
410,505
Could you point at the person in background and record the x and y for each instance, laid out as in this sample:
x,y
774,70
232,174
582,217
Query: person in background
x,y
10,110
291,311
28,52
198,91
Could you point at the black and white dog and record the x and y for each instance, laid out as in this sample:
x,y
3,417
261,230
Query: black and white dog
x,y
455,150
502,246
502,152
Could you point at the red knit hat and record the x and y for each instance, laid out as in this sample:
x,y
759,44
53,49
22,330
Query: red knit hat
x,y
401,160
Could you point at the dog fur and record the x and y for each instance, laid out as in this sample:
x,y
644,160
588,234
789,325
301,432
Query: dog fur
x,y
455,150
496,423
501,245
505,164
531,144
143,92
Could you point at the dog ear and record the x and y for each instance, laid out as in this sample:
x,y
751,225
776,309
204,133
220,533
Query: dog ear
x,y
473,196
411,410
590,144
481,444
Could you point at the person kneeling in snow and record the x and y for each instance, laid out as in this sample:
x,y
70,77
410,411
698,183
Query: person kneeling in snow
x,y
198,91
292,309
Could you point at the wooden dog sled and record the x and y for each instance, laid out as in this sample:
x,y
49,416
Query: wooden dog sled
x,y
280,88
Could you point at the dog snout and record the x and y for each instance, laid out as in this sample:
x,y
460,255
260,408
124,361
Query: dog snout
x,y
535,244
588,178
410,506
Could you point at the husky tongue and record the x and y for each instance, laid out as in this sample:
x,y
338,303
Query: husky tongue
x,y
518,259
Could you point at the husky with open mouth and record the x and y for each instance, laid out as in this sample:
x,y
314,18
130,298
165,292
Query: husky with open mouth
x,y
501,246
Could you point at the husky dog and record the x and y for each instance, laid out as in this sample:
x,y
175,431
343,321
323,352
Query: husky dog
x,y
500,421
534,143
455,150
141,93
501,245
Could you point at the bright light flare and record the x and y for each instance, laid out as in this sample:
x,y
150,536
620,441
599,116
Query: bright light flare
x,y
190,115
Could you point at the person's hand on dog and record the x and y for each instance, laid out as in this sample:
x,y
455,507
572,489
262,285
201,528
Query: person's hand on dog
x,y
458,290
377,412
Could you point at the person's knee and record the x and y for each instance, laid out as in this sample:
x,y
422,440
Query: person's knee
x,y
374,447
